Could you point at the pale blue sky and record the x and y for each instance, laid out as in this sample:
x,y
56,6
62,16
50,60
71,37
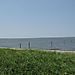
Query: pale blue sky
x,y
37,18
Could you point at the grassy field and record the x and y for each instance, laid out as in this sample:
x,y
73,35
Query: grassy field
x,y
30,62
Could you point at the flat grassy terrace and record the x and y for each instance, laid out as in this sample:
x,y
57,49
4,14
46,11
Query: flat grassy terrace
x,y
34,62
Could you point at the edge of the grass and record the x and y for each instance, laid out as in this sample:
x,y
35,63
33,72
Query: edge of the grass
x,y
39,50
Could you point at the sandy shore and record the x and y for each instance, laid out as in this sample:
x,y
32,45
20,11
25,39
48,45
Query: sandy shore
x,y
61,51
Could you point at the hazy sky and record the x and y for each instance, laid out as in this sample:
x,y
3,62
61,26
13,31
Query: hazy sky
x,y
37,18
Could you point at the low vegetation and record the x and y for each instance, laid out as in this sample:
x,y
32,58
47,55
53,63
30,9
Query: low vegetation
x,y
32,62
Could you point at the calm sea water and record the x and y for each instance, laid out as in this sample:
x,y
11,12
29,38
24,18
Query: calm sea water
x,y
67,43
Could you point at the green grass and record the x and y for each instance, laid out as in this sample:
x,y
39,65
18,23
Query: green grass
x,y
30,62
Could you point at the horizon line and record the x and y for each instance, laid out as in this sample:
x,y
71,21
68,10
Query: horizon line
x,y
37,37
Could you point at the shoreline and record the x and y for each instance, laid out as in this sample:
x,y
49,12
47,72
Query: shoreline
x,y
35,49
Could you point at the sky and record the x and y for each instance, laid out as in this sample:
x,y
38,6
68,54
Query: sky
x,y
37,18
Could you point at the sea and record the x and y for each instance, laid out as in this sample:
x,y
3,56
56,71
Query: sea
x,y
62,43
